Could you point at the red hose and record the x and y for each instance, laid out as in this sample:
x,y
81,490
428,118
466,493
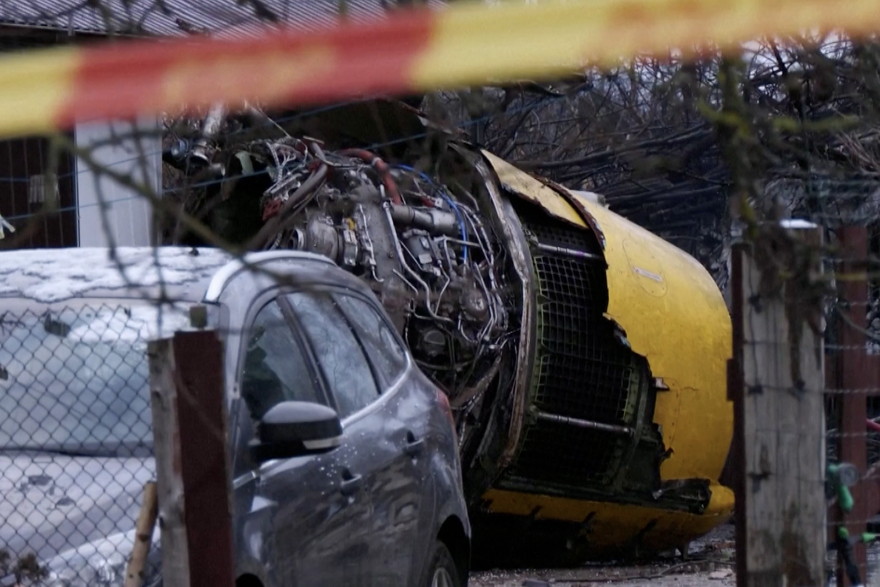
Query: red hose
x,y
873,425
381,169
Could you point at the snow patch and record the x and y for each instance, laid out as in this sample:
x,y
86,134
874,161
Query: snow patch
x,y
53,275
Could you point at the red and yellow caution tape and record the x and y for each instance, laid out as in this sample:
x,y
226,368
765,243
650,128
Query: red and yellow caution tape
x,y
409,51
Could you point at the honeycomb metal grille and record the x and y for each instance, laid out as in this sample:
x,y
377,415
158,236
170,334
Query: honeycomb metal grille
x,y
584,373
561,456
581,371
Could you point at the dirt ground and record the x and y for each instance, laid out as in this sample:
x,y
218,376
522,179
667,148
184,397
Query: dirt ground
x,y
711,564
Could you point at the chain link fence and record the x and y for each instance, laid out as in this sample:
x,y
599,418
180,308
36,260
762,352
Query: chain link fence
x,y
75,428
852,407
666,142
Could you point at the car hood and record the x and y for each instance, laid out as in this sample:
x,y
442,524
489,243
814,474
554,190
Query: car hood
x,y
52,504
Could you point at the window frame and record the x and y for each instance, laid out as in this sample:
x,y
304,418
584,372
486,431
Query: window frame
x,y
258,304
389,383
329,291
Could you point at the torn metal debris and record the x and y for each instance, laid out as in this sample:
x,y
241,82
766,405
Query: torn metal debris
x,y
586,366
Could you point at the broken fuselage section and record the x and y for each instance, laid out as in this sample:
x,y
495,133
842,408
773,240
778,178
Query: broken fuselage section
x,y
584,357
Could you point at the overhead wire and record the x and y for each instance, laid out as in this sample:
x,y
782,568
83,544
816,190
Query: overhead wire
x,y
220,180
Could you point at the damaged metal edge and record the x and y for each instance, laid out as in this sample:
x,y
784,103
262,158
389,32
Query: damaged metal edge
x,y
578,205
536,198
588,223
515,237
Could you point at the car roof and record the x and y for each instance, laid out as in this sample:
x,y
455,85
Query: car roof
x,y
57,275
49,276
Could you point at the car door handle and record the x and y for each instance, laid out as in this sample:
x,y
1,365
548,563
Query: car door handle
x,y
351,484
413,445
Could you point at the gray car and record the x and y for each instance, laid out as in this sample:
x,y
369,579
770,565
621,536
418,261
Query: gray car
x,y
382,504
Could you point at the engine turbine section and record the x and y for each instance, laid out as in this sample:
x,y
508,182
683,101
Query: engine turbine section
x,y
426,252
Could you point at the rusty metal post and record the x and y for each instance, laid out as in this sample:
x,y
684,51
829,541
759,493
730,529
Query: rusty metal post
x,y
853,375
192,460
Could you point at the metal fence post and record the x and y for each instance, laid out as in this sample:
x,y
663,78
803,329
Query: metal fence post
x,y
780,434
855,378
192,460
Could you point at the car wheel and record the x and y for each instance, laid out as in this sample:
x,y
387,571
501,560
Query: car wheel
x,y
441,570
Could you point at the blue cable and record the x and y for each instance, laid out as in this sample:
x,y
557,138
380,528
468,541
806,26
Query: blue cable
x,y
461,226
449,201
424,175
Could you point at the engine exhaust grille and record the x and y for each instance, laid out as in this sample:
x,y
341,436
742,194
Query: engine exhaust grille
x,y
581,370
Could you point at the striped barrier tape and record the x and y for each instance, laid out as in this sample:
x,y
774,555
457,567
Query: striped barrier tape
x,y
46,89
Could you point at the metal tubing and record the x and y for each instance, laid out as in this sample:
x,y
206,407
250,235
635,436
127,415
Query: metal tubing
x,y
433,220
568,252
210,129
583,423
457,241
387,207
381,168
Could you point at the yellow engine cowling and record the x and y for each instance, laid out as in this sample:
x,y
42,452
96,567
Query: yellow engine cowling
x,y
675,316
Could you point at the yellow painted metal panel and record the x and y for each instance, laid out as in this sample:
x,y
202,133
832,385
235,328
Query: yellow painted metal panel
x,y
525,185
615,524
674,315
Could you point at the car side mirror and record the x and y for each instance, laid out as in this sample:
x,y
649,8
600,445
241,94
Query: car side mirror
x,y
294,429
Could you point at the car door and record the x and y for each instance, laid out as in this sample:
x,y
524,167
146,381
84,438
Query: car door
x,y
301,508
354,391
400,488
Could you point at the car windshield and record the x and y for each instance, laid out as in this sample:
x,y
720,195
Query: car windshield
x,y
75,380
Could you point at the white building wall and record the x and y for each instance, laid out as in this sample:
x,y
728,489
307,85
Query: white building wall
x,y
124,148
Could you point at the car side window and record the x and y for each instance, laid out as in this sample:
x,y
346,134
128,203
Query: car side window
x,y
337,350
384,348
275,367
